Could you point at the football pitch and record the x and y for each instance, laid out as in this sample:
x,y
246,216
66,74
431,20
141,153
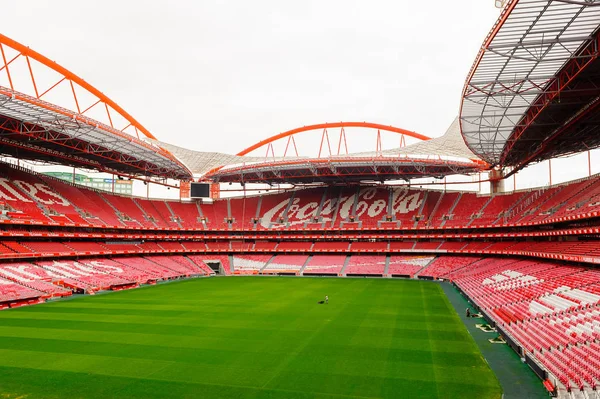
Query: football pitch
x,y
246,337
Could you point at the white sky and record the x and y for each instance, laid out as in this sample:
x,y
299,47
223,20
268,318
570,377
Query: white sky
x,y
221,75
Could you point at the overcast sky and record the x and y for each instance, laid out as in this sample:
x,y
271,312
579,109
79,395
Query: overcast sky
x,y
221,75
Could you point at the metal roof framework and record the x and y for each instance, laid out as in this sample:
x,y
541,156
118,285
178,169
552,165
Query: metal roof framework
x,y
436,157
201,162
346,169
533,52
450,145
35,128
41,128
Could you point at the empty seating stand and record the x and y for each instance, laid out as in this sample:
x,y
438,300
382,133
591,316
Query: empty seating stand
x,y
29,197
249,264
366,265
325,264
406,266
551,310
204,262
285,264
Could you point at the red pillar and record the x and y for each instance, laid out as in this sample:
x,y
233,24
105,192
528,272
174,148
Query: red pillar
x,y
496,181
514,182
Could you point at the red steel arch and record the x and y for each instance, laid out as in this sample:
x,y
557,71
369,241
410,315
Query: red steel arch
x,y
332,125
67,76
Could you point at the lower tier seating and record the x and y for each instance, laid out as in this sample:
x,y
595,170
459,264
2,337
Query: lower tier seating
x,y
407,265
34,282
365,265
155,268
286,264
11,291
249,264
325,264
446,264
85,277
551,310
203,261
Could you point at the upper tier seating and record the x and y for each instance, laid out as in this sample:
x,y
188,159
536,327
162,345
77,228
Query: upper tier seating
x,y
365,246
242,215
46,246
171,246
452,245
193,245
95,209
218,245
215,215
16,247
85,246
496,208
165,213
152,214
427,245
129,211
440,214
264,245
401,245
241,246
428,207
303,208
49,201
333,246
45,200
301,246
186,213
463,213
370,208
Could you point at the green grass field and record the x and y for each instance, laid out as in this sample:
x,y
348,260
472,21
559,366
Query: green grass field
x,y
245,337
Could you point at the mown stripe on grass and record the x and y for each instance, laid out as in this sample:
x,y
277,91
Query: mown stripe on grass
x,y
198,338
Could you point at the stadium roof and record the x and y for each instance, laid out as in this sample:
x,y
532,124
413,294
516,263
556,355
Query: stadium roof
x,y
451,144
439,157
344,169
201,162
33,128
535,77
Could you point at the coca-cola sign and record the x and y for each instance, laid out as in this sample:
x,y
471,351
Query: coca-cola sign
x,y
372,203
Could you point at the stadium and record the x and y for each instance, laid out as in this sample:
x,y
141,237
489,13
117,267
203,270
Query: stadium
x,y
220,293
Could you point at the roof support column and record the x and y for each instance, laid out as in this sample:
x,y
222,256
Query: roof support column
x,y
496,181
